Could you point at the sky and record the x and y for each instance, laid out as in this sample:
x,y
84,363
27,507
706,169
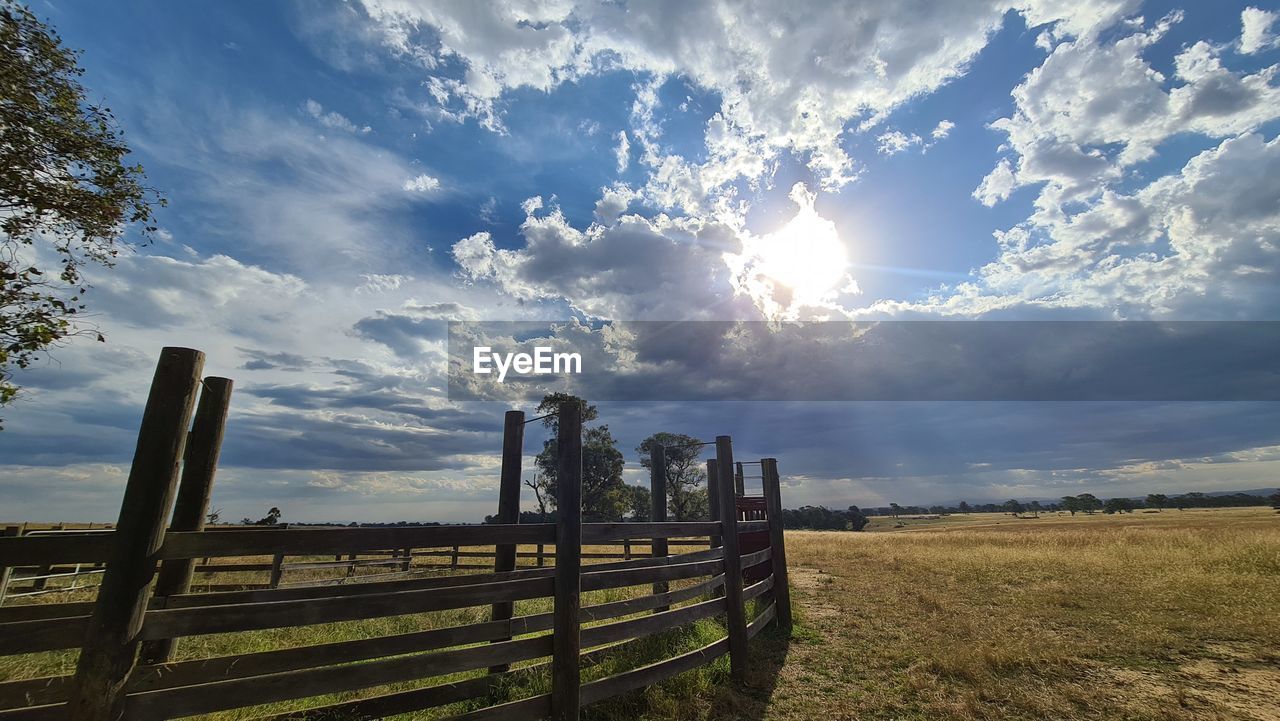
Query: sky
x,y
344,178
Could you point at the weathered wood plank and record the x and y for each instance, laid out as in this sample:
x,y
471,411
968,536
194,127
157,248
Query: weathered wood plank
x,y
321,541
504,556
761,620
565,671
593,533
736,613
34,691
228,568
777,540
110,646
756,558
648,625
37,611
48,712
653,673
528,709
314,656
658,506
350,589
647,562
757,588
199,465
284,614
400,702
48,550
599,580
220,695
628,606
47,634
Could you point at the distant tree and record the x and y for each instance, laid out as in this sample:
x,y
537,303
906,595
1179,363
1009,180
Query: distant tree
x,y
964,507
819,518
1089,503
639,503
1275,500
1157,500
686,474
857,521
1035,508
895,509
1194,499
1072,504
271,519
1013,506
213,516
541,488
66,195
603,494
1118,505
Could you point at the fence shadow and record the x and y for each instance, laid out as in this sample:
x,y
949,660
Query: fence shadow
x,y
749,700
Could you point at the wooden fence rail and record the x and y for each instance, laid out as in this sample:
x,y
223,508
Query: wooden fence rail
x,y
537,621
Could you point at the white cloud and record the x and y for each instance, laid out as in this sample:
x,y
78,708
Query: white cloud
x,y
613,202
850,67
896,141
942,129
421,184
634,268
998,184
1095,108
1255,31
382,282
1202,243
489,210
623,151
334,120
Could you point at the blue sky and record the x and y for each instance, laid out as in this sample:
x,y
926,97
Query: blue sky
x,y
344,177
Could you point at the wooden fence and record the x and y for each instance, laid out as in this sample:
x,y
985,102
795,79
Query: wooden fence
x,y
127,636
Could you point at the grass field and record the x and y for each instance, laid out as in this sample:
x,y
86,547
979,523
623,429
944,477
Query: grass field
x,y
1172,615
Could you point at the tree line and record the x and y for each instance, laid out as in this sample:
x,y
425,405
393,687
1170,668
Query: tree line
x,y
821,518
605,496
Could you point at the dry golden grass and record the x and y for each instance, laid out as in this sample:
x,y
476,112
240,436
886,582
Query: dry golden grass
x,y
1161,616
1174,615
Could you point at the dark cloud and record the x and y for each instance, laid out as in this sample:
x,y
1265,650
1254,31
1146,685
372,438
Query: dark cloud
x,y
264,360
403,334
900,361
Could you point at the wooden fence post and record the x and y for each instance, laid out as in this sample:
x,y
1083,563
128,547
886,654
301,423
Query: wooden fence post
x,y
5,571
199,465
566,641
111,639
737,614
658,508
41,579
773,505
739,482
504,555
277,570
713,497
408,559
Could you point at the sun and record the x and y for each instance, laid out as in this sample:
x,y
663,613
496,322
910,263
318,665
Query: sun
x,y
806,255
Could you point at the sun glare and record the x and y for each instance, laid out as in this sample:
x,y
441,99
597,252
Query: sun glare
x,y
806,254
